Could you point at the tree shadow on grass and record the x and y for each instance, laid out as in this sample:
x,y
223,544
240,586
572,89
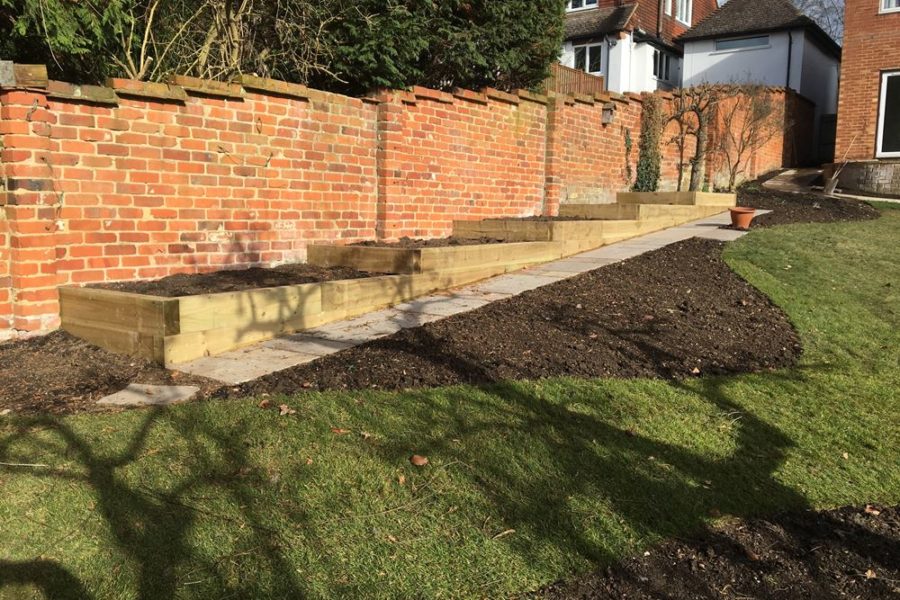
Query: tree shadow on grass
x,y
151,528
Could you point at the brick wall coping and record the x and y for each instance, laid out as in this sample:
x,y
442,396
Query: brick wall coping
x,y
177,88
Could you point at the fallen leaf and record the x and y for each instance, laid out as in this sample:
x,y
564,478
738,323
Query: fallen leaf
x,y
265,404
419,461
649,317
503,534
845,456
284,410
871,510
695,370
309,460
752,555
5,411
365,435
593,336
578,306
392,539
870,574
401,479
339,431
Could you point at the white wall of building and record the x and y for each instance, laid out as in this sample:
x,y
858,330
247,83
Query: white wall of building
x,y
819,78
765,65
627,65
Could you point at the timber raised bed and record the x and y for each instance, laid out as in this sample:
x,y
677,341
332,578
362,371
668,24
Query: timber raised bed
x,y
174,330
491,258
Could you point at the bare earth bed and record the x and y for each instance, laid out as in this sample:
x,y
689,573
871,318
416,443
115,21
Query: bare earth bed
x,y
663,314
843,553
801,208
176,286
412,243
59,374
676,312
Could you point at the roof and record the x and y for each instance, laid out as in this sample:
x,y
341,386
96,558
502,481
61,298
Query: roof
x,y
597,21
738,17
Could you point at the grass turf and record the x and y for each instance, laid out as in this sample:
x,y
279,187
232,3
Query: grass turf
x,y
527,482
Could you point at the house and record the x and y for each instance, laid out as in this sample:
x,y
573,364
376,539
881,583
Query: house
x,y
772,43
632,45
869,107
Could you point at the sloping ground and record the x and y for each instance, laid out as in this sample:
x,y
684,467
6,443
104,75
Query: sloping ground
x,y
675,312
789,208
844,553
526,484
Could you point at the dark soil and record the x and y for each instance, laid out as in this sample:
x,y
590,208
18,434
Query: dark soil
x,y
801,208
675,312
844,553
175,286
412,244
60,374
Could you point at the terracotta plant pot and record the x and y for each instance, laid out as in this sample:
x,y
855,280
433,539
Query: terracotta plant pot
x,y
741,217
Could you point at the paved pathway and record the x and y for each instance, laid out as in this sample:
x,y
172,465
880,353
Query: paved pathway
x,y
274,355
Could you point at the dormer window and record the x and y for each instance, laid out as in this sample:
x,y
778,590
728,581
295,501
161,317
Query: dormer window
x,y
580,4
890,6
684,10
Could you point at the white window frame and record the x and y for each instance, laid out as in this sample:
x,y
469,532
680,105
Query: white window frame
x,y
764,44
587,57
669,7
882,105
585,4
663,61
684,11
884,6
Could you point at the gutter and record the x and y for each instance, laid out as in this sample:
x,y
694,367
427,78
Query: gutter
x,y
790,59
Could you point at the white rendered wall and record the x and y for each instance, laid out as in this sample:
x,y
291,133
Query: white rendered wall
x,y
765,65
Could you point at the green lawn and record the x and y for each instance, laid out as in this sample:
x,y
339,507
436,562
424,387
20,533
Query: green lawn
x,y
527,483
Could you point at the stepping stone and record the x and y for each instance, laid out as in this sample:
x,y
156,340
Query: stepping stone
x,y
137,394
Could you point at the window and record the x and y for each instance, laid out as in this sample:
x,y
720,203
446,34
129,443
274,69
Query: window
x,y
741,43
683,10
589,58
890,5
579,4
889,116
662,65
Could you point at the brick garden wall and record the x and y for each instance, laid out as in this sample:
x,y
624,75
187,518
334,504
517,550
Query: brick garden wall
x,y
589,161
137,180
458,156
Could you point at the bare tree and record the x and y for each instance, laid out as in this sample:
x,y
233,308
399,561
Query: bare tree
x,y
693,110
829,14
747,121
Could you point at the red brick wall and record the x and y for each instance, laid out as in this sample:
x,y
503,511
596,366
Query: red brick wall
x,y
463,156
589,161
871,41
148,188
5,279
153,179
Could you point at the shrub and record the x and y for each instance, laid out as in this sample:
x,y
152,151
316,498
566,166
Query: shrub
x,y
649,156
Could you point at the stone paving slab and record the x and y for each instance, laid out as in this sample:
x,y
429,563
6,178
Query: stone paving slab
x,y
370,326
246,364
138,394
307,344
274,355
442,305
